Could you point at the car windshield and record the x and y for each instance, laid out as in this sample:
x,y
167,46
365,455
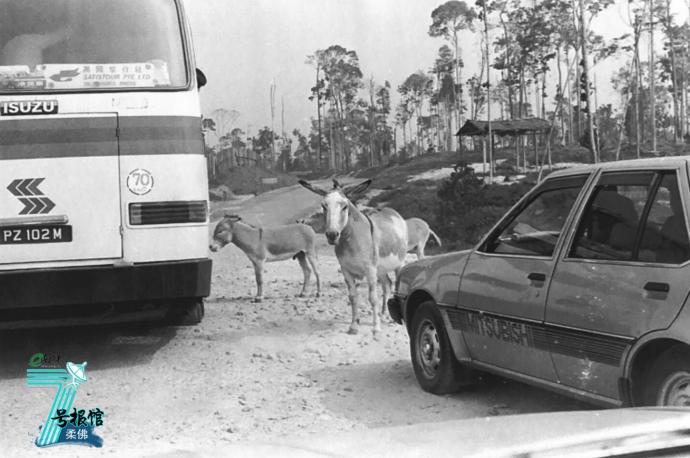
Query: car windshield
x,y
90,44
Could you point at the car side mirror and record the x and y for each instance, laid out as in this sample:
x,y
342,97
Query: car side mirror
x,y
200,79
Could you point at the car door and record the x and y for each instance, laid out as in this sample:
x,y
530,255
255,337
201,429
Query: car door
x,y
503,288
624,273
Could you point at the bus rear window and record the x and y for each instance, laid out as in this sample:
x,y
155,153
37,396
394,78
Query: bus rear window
x,y
90,44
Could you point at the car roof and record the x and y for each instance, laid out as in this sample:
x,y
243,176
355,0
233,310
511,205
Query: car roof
x,y
636,164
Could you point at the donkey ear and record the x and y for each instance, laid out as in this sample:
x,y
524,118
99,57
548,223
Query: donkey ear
x,y
352,192
313,188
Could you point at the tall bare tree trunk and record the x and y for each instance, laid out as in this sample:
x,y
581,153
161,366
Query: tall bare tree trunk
x,y
585,69
488,92
638,120
560,92
372,121
318,115
570,97
578,95
458,96
674,83
652,78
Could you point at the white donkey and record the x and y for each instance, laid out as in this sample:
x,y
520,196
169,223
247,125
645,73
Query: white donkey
x,y
270,244
367,246
418,232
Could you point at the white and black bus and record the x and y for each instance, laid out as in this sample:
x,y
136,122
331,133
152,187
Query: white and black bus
x,y
103,186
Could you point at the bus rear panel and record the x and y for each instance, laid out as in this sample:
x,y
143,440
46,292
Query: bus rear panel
x,y
103,186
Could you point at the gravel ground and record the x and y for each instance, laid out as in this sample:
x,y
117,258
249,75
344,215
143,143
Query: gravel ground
x,y
249,372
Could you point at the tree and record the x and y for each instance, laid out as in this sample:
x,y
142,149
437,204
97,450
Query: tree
x,y
447,21
224,120
262,145
444,97
343,79
318,93
415,90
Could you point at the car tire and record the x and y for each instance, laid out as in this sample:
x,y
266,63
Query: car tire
x,y
669,380
187,314
434,363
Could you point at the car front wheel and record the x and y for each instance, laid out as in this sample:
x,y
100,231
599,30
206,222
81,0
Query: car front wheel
x,y
434,363
670,379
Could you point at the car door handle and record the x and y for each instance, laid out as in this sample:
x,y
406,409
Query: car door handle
x,y
535,276
657,287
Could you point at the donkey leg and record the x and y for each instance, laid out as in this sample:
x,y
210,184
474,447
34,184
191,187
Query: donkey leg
x,y
386,286
421,246
305,270
310,257
352,296
371,280
259,273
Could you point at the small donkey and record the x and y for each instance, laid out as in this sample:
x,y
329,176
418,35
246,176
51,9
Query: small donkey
x,y
296,241
418,232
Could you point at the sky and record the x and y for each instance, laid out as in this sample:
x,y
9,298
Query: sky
x,y
243,46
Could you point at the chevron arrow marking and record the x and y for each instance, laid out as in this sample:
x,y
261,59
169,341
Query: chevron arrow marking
x,y
23,187
29,206
33,186
40,206
13,187
48,204
33,199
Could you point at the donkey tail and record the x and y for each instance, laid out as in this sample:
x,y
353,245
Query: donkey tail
x,y
438,240
300,255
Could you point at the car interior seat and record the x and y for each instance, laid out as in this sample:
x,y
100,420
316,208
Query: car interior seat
x,y
674,246
615,220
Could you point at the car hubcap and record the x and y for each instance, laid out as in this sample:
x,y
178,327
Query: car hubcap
x,y
675,391
428,349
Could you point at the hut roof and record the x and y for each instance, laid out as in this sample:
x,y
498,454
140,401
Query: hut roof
x,y
512,127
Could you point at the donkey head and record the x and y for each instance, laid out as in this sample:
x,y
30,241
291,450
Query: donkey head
x,y
223,233
336,205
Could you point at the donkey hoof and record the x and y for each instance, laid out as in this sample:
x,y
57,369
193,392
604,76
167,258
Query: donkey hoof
x,y
317,295
301,294
258,299
353,331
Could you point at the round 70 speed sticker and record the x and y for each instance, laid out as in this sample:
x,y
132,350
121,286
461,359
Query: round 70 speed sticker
x,y
140,181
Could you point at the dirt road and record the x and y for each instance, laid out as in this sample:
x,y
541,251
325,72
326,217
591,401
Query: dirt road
x,y
248,372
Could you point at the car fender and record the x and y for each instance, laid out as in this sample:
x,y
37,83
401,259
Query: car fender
x,y
436,279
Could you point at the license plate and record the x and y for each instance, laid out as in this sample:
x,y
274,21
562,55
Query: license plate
x,y
35,234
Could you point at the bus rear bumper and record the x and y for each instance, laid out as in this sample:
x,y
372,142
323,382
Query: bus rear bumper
x,y
90,286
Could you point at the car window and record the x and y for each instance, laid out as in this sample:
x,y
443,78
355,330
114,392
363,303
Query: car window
x,y
534,231
609,225
665,237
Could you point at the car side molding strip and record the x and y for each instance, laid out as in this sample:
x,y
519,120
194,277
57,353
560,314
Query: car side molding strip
x,y
596,347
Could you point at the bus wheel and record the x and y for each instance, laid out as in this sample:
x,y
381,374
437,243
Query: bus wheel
x,y
188,313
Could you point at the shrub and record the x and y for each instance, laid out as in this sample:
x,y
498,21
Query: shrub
x,y
467,207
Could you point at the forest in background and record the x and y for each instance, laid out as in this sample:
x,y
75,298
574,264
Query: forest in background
x,y
539,57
